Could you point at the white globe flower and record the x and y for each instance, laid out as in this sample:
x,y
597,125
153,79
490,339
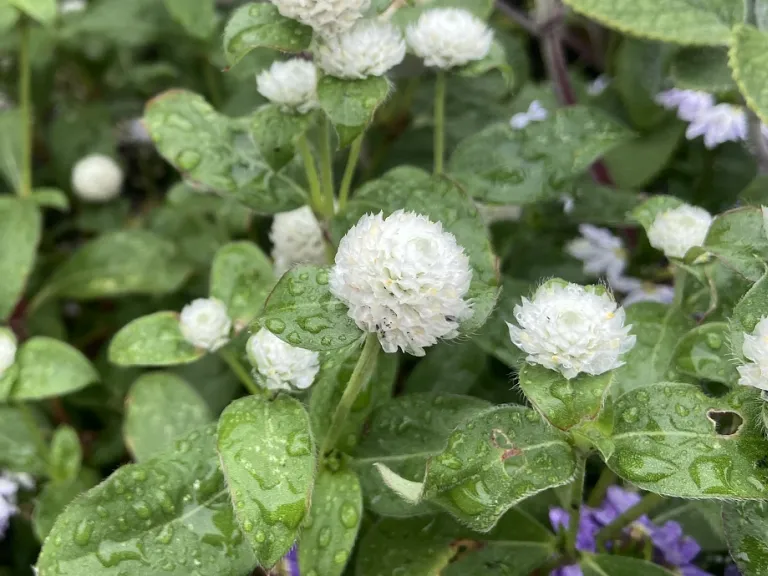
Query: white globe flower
x,y
279,365
326,17
690,104
572,329
369,48
755,349
7,351
205,323
97,178
404,278
722,123
296,239
676,231
536,113
602,253
292,85
449,37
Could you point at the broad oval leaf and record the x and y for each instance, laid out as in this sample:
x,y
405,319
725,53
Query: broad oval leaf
x,y
66,455
351,104
44,11
750,67
22,444
704,69
704,354
146,518
268,456
198,18
746,524
276,132
737,238
20,222
448,368
154,340
51,198
752,307
55,497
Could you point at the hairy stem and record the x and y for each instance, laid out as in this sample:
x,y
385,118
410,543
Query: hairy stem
x,y
648,503
315,193
577,496
440,122
349,172
240,371
25,102
597,495
326,168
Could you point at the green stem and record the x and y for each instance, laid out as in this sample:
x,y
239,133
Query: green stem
x,y
577,494
648,503
326,167
362,373
349,173
440,122
315,193
596,497
240,371
25,102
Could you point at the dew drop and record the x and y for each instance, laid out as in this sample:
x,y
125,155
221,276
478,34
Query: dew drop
x,y
322,278
349,515
324,538
188,159
340,557
260,537
83,532
275,325
714,341
294,338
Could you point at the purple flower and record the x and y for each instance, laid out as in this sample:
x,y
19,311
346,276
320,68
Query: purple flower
x,y
677,549
291,562
572,570
732,570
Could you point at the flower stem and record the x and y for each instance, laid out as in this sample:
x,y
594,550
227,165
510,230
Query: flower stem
x,y
577,495
315,194
25,102
326,167
440,122
362,373
648,503
240,371
597,495
349,172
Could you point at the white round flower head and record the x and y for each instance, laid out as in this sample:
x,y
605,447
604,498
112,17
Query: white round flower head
x,y
536,113
689,104
204,323
722,123
97,178
602,253
7,351
755,349
280,366
296,239
676,231
292,85
369,48
572,329
404,278
326,17
449,37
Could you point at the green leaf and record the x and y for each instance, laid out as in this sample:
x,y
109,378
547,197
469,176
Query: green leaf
x,y
496,59
11,146
641,69
20,227
118,264
746,524
748,59
639,161
55,497
51,198
738,239
22,448
704,354
160,408
331,527
66,455
605,565
275,132
197,17
154,340
270,480
241,277
701,520
11,374
449,368
647,212
672,439
494,336
351,104
701,23
746,315
302,311
148,518
261,26
604,205
218,152
44,11
703,69
403,434
49,367
8,16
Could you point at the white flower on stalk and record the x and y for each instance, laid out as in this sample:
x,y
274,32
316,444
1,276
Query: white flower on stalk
x,y
97,178
755,349
326,17
279,365
204,323
10,482
572,329
535,113
449,37
369,48
404,278
676,231
598,85
292,85
721,123
602,253
296,239
8,349
690,104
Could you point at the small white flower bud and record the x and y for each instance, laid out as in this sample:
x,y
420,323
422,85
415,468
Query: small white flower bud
x,y
755,349
97,178
204,323
449,37
403,278
369,48
296,239
7,350
676,231
326,17
280,366
572,329
292,85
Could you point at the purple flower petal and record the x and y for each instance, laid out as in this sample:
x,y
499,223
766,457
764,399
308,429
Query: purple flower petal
x,y
559,518
572,570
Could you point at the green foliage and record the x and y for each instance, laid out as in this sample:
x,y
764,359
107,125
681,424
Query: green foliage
x,y
22,447
704,354
351,104
21,222
703,69
745,525
154,340
66,455
198,17
747,59
44,11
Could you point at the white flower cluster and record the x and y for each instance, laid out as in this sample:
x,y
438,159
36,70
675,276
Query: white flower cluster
x,y
369,48
296,239
571,329
449,37
755,349
205,324
404,278
717,123
280,366
292,85
326,17
10,483
7,351
97,178
535,113
676,231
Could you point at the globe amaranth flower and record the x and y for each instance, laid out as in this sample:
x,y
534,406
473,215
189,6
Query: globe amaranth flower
x,y
755,349
535,113
280,366
97,178
369,48
296,239
721,123
10,483
292,85
326,17
690,104
572,329
7,351
449,37
602,253
676,231
205,323
404,278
